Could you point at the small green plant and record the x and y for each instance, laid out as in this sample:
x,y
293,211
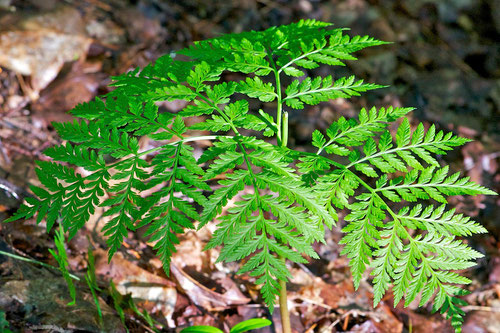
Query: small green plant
x,y
91,280
283,199
62,259
244,326
4,324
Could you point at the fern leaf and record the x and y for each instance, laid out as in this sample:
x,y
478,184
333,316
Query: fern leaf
x,y
438,220
167,215
296,217
130,114
77,155
255,87
123,204
226,161
362,234
430,183
389,248
301,194
355,133
338,186
201,73
308,47
234,183
220,146
98,136
273,161
236,216
261,122
409,146
320,89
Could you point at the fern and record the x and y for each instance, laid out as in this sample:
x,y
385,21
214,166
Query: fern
x,y
282,199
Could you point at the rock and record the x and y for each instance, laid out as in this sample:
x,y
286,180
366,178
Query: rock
x,y
39,45
45,300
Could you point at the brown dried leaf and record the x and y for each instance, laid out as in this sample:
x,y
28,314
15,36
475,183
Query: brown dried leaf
x,y
152,291
204,297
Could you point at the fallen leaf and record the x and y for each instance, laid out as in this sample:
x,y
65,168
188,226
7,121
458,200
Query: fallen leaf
x,y
204,297
153,292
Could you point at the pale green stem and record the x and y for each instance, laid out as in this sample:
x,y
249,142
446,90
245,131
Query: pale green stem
x,y
279,109
282,141
283,299
285,129
279,112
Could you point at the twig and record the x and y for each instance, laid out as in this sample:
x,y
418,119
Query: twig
x,y
28,91
480,308
4,153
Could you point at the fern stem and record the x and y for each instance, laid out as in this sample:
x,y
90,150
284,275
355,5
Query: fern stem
x,y
391,151
282,136
279,109
298,58
283,299
285,129
278,122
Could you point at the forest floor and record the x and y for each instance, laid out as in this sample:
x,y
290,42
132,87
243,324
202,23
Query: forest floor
x,y
445,62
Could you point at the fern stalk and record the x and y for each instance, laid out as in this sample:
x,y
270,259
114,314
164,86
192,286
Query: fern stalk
x,y
282,136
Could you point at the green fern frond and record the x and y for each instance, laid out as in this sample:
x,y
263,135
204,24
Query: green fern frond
x,y
362,234
429,183
281,198
97,135
313,91
300,194
255,87
326,46
389,158
124,203
439,220
77,155
234,183
127,113
353,132
167,215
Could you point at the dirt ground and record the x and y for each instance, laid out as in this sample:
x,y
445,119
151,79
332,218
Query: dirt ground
x,y
444,61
